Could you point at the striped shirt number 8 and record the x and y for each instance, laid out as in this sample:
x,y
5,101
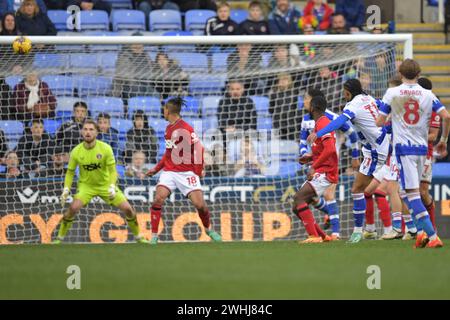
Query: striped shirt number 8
x,y
411,115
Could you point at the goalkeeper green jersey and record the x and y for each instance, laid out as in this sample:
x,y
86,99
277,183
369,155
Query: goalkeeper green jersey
x,y
93,163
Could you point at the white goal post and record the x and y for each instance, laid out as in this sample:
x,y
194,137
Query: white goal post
x,y
252,172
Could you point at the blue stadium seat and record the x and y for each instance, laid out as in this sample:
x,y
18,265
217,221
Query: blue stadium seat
x,y
261,105
210,105
206,84
264,123
107,62
83,62
150,105
93,85
210,123
59,19
12,81
13,131
238,15
120,170
121,4
159,125
165,20
48,62
162,147
179,33
195,20
265,59
285,149
434,3
192,107
103,47
179,47
60,85
121,125
219,62
191,61
94,20
283,169
111,105
300,103
64,106
128,20
51,126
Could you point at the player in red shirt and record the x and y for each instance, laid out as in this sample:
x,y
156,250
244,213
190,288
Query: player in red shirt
x,y
182,166
322,174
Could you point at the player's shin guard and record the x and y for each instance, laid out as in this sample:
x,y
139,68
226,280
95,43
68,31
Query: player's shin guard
x,y
370,215
134,226
308,220
333,212
359,211
66,224
155,214
384,209
322,206
205,217
421,214
397,221
430,209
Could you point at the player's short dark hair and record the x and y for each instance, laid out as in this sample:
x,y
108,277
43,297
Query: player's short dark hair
x,y
337,14
103,115
254,4
410,69
319,104
81,104
90,121
315,92
37,120
425,83
354,87
175,104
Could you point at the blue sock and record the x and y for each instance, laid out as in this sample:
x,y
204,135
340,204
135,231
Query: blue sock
x,y
397,221
420,214
415,222
333,211
409,222
359,210
322,206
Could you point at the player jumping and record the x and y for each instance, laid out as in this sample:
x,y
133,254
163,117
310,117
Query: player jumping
x,y
98,177
182,166
411,107
362,110
327,203
322,175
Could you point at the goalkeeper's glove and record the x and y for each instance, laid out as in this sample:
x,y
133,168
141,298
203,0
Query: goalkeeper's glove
x,y
112,191
64,196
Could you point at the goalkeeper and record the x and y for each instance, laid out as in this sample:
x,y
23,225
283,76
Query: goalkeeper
x,y
98,177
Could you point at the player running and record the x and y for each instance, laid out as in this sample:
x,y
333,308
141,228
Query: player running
x,y
327,203
182,166
411,107
362,110
322,174
98,177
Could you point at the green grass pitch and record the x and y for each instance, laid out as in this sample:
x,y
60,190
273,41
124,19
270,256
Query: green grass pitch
x,y
274,270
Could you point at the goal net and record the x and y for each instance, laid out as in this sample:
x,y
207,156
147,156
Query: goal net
x,y
244,97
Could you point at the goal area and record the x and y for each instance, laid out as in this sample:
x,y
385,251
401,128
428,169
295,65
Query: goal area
x,y
243,96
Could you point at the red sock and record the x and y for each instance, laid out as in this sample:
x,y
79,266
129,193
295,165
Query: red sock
x,y
383,207
205,217
320,232
403,226
307,218
430,209
370,218
155,213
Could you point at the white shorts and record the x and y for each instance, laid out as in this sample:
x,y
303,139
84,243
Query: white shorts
x,y
381,174
411,168
393,171
427,172
373,162
319,183
186,182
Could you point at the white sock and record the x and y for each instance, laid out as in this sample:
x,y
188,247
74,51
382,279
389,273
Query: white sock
x,y
154,235
387,230
357,229
433,237
370,227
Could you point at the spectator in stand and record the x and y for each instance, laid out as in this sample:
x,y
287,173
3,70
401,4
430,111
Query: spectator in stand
x,y
69,134
91,5
328,80
284,107
147,6
186,5
56,4
107,134
283,58
248,164
138,167
33,99
141,137
34,148
3,147
134,68
13,169
5,92
255,24
284,18
236,111
354,12
57,166
14,5
215,166
32,22
338,24
321,11
168,78
221,25
243,62
9,26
